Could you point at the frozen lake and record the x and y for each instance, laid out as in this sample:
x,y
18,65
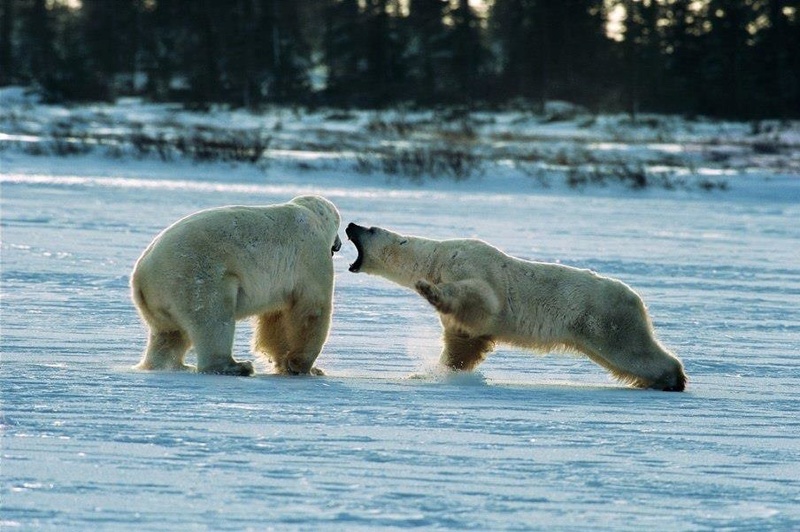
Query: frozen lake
x,y
528,442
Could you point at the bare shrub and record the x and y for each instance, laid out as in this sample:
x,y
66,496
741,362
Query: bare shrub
x,y
202,145
418,163
399,128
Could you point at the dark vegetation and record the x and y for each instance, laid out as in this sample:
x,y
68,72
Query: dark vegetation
x,y
417,146
725,58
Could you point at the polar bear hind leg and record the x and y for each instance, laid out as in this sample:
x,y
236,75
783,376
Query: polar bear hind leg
x,y
293,338
626,346
269,336
167,343
307,328
652,367
165,351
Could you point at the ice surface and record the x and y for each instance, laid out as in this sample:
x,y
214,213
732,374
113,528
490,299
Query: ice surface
x,y
385,440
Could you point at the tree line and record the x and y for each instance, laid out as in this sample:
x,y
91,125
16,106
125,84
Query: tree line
x,y
727,58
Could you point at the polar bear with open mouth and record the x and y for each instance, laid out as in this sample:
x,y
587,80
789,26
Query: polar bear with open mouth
x,y
484,296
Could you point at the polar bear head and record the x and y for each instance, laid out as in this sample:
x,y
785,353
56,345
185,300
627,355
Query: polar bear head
x,y
380,251
327,214
365,240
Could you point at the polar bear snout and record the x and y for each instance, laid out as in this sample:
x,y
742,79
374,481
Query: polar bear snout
x,y
354,233
337,245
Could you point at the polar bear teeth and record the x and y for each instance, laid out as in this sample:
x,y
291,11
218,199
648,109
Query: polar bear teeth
x,y
353,237
356,265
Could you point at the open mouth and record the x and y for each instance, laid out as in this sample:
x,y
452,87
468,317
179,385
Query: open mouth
x,y
356,266
352,235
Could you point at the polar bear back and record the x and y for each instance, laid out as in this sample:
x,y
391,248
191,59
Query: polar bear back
x,y
537,299
262,247
234,236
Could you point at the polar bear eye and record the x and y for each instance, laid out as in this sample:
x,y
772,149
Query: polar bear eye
x,y
404,242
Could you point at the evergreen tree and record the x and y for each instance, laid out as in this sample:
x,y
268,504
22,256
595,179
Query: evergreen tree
x,y
109,34
290,55
165,45
364,48
383,73
343,49
681,58
718,57
778,68
575,50
726,81
640,49
466,53
426,38
7,22
515,29
39,40
553,49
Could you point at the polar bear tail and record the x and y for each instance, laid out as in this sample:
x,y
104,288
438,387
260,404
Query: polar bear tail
x,y
139,299
141,303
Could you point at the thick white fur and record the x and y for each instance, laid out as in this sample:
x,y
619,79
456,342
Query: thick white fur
x,y
220,265
485,296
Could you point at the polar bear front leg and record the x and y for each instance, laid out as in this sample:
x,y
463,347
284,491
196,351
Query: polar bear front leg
x,y
293,338
463,352
269,337
471,303
307,334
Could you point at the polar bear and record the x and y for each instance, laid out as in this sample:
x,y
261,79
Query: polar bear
x,y
216,266
484,296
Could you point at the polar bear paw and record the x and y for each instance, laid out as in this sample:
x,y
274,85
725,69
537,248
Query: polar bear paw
x,y
434,295
241,369
290,366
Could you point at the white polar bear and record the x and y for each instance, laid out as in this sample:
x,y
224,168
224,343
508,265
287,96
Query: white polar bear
x,y
220,265
485,296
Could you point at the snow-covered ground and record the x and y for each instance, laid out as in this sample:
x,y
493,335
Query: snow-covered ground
x,y
385,440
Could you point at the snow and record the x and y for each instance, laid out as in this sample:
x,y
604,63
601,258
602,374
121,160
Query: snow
x,y
386,440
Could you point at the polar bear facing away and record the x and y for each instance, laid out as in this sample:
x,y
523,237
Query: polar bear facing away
x,y
220,265
484,296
